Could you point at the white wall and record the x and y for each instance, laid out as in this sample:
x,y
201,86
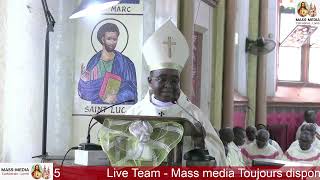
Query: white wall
x,y
3,42
271,57
166,9
149,8
23,87
242,21
23,93
61,77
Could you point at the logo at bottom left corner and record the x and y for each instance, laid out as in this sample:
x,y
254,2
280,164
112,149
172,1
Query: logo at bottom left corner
x,y
41,171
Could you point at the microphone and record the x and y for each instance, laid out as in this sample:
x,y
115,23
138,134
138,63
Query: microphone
x,y
200,153
197,123
91,146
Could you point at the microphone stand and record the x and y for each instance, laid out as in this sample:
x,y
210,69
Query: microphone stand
x,y
199,141
200,154
50,28
92,146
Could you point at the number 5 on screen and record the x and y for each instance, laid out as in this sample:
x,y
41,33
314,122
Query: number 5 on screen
x,y
56,172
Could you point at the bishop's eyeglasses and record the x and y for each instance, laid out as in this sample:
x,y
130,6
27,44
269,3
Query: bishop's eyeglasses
x,y
162,80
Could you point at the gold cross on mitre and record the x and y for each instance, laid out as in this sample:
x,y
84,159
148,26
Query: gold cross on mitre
x,y
166,48
169,43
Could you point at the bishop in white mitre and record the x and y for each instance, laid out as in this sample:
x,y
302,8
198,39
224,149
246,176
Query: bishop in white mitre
x,y
166,52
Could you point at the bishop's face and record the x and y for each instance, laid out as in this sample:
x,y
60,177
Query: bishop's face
x,y
165,84
110,40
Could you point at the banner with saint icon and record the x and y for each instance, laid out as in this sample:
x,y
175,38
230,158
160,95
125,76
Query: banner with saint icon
x,y
108,59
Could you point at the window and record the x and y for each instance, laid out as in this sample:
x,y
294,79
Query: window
x,y
297,64
314,58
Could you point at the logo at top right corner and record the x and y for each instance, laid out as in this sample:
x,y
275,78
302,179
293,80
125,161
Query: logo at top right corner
x,y
304,9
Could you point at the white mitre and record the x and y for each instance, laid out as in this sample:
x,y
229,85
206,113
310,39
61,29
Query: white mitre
x,y
166,48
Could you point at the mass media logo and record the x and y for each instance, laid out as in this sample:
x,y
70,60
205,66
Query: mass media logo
x,y
304,9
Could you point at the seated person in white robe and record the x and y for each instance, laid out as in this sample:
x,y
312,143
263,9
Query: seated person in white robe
x,y
233,153
316,142
165,97
271,141
239,137
260,148
251,133
309,117
305,151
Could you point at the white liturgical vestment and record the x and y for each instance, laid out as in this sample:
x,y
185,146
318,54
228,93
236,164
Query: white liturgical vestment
x,y
234,157
146,107
252,151
296,154
277,146
270,141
